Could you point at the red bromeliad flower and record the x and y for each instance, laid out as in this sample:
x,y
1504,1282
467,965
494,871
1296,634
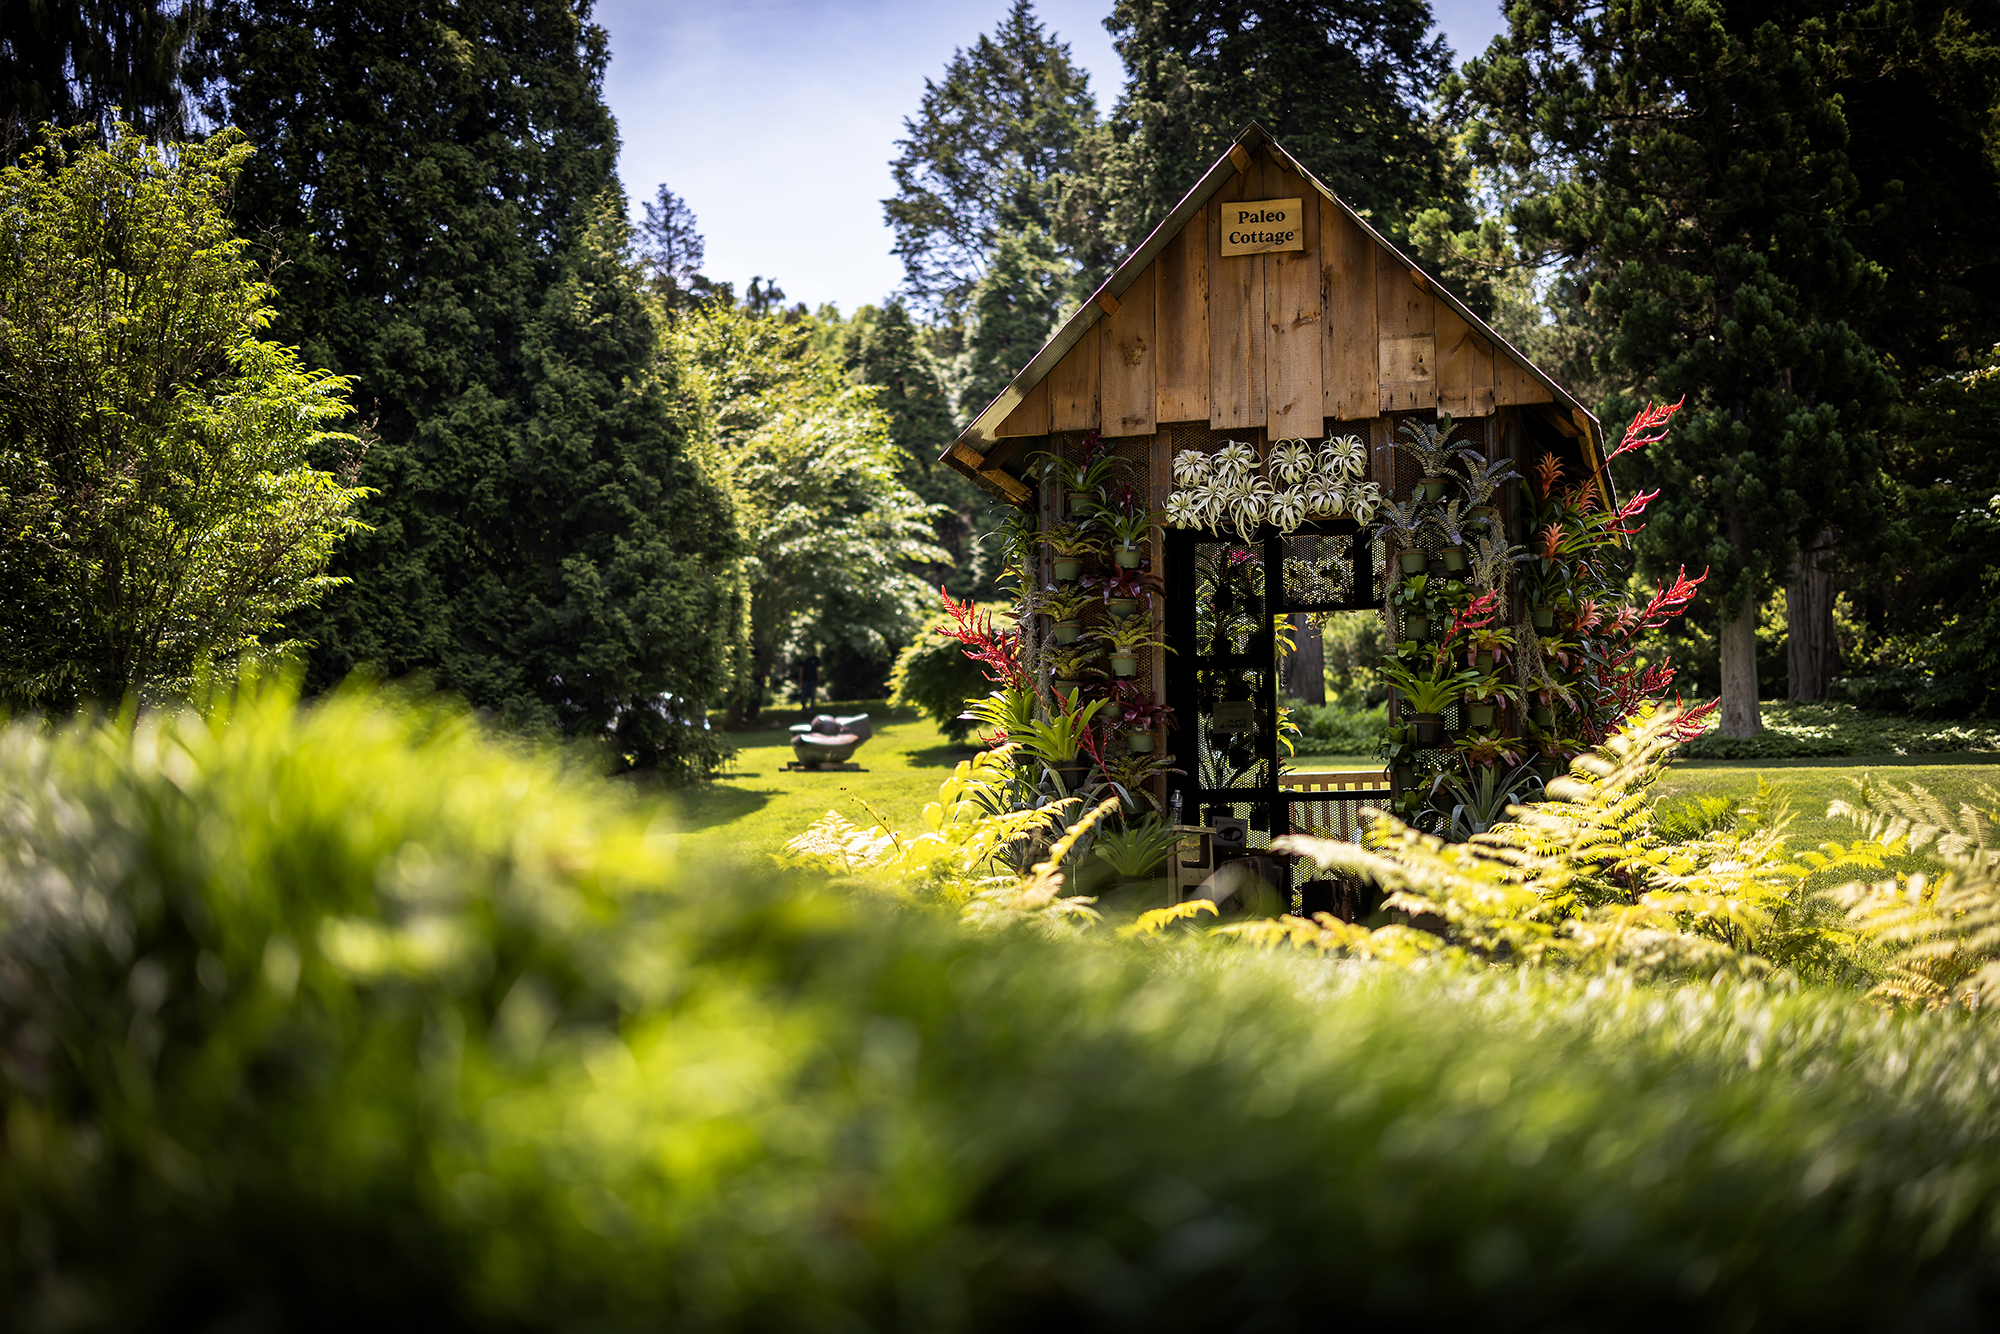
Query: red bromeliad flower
x,y
998,652
1550,539
1649,419
1547,473
1671,601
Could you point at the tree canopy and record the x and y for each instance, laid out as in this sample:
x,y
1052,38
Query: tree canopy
x,y
158,506
551,538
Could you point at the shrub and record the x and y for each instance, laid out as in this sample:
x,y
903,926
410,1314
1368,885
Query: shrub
x,y
352,1015
1335,729
934,674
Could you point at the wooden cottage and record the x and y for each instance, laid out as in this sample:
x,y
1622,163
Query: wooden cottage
x,y
1263,309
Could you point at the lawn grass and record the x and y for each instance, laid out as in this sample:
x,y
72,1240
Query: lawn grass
x,y
756,804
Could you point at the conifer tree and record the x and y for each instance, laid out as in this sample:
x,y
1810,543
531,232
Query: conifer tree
x,y
997,146
1344,84
1700,199
90,62
550,540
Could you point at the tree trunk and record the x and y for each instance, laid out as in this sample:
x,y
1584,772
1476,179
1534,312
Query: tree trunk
x,y
1305,670
1811,655
1739,671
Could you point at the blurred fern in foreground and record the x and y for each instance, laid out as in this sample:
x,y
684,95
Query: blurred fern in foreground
x,y
353,1016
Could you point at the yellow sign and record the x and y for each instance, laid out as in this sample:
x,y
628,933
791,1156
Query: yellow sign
x,y
1259,226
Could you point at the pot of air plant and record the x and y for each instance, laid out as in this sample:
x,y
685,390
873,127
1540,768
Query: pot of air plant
x,y
1542,716
1545,616
1481,485
1451,527
1065,607
1143,717
1069,544
1430,685
1084,480
1429,444
1124,591
1130,524
1402,526
1485,694
1417,626
1124,641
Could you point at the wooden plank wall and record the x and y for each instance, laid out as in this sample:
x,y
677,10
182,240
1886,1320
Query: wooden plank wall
x,y
1342,329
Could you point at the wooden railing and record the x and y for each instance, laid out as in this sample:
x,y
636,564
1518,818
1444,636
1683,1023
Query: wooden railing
x,y
1335,817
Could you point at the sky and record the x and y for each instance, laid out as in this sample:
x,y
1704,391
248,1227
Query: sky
x,y
777,119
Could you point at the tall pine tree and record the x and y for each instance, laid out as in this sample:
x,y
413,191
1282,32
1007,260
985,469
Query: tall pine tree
x,y
1700,198
1344,84
999,145
551,539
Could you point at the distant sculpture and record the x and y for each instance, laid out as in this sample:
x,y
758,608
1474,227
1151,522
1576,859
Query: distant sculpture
x,y
829,740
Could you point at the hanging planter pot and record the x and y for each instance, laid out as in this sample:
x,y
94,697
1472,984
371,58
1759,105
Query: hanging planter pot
x,y
1111,712
1430,729
1545,618
1139,743
1483,661
1414,560
1417,627
1068,568
1124,664
1066,687
1072,775
1542,716
1127,558
1454,558
1490,513
1482,714
1406,776
1068,632
1434,488
1122,607
1545,769
1082,502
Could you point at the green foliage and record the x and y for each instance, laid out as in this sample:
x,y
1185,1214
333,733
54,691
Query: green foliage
x,y
552,539
90,66
933,674
1345,84
351,1015
158,508
1826,729
836,536
998,147
1336,729
1739,289
1138,848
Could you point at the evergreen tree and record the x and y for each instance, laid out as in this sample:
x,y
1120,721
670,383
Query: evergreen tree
x,y
671,250
1013,310
550,540
1004,143
1344,84
90,62
910,391
1702,203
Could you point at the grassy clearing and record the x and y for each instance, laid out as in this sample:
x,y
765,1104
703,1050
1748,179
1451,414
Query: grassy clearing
x,y
1812,784
756,804
1829,729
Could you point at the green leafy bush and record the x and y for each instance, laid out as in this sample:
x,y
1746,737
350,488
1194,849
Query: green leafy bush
x,y
933,674
1336,729
1801,731
353,1016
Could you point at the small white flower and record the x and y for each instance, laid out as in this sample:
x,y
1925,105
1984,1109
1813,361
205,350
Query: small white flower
x,y
1191,468
1234,462
1343,456
1291,461
1288,508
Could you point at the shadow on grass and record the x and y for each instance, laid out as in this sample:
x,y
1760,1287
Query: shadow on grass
x,y
945,756
720,803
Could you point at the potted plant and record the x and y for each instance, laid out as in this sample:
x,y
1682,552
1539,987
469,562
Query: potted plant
x,y
1429,444
1135,852
1065,607
1431,685
1482,484
1083,480
1058,743
1069,667
1402,524
1125,592
1129,523
1070,543
1485,693
1451,527
1142,717
1125,640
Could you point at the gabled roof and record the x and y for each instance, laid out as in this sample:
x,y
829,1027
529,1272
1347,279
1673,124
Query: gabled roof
x,y
981,436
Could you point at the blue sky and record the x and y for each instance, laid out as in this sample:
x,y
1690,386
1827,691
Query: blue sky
x,y
777,118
